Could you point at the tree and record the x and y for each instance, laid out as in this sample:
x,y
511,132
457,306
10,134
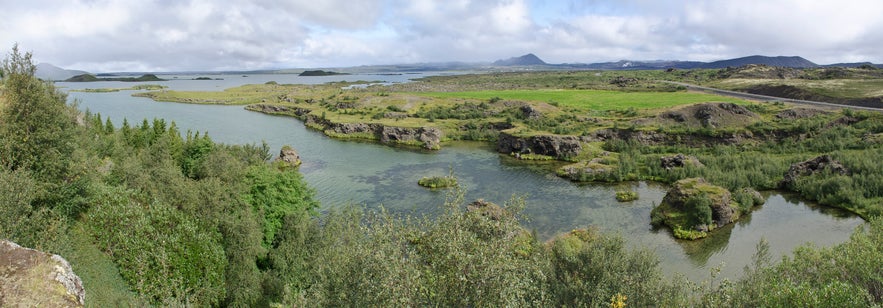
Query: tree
x,y
38,124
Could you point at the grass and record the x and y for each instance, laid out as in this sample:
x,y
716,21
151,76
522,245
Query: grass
x,y
592,99
438,181
101,278
839,88
626,195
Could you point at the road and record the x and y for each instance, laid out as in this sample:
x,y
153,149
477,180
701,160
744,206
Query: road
x,y
765,98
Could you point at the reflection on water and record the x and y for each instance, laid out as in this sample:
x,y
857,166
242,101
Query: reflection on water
x,y
346,172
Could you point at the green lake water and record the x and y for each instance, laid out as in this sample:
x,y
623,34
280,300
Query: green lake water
x,y
369,174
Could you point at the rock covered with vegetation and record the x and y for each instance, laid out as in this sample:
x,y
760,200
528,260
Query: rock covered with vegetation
x,y
31,278
693,207
438,181
812,166
289,156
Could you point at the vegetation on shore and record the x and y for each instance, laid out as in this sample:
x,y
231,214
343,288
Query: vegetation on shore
x,y
158,218
146,87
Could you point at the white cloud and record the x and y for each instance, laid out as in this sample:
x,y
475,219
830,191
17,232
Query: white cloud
x,y
112,35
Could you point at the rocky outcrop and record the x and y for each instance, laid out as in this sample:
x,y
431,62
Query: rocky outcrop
x,y
642,137
429,137
595,169
679,161
530,113
289,156
557,146
710,115
713,115
810,167
426,137
679,211
30,278
277,109
798,113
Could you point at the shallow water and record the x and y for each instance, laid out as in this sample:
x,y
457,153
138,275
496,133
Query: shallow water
x,y
344,172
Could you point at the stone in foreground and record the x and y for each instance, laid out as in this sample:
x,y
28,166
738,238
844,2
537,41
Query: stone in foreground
x,y
30,278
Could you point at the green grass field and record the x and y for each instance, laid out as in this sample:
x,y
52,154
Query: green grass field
x,y
593,99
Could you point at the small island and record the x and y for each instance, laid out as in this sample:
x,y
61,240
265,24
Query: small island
x,y
320,73
92,78
438,181
693,207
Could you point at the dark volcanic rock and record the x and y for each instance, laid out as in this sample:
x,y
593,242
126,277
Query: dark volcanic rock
x,y
678,161
799,113
429,136
30,278
530,112
810,167
549,145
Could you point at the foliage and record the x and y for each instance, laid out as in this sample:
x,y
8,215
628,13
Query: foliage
x,y
438,182
162,252
586,273
626,195
275,193
38,125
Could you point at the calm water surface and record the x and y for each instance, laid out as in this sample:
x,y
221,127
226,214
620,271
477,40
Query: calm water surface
x,y
347,172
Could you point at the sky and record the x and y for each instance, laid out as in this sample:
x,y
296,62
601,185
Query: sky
x,y
208,35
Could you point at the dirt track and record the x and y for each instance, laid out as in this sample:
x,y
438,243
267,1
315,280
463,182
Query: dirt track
x,y
765,98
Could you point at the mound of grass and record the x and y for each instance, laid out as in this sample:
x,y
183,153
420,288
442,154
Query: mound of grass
x,y
438,182
626,195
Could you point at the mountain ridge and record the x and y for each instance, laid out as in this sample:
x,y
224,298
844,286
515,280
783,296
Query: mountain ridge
x,y
48,71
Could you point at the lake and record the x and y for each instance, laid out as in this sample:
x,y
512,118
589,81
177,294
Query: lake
x,y
369,174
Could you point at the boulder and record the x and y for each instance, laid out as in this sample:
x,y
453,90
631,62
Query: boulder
x,y
31,278
530,112
289,156
679,161
810,167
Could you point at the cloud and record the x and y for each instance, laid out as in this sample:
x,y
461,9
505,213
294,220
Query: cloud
x,y
120,35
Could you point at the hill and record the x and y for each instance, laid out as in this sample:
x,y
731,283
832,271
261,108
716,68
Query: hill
x,y
48,71
91,78
528,59
793,62
320,73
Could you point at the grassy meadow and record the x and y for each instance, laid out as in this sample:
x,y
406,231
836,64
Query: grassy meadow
x,y
592,99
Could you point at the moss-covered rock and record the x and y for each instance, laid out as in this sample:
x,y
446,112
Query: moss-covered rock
x,y
30,278
693,207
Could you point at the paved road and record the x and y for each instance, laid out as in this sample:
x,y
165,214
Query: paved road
x,y
765,98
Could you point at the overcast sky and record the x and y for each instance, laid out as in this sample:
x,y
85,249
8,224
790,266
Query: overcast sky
x,y
174,35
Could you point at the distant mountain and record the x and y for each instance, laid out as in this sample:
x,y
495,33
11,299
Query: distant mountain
x,y
48,71
793,62
638,65
525,60
852,64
